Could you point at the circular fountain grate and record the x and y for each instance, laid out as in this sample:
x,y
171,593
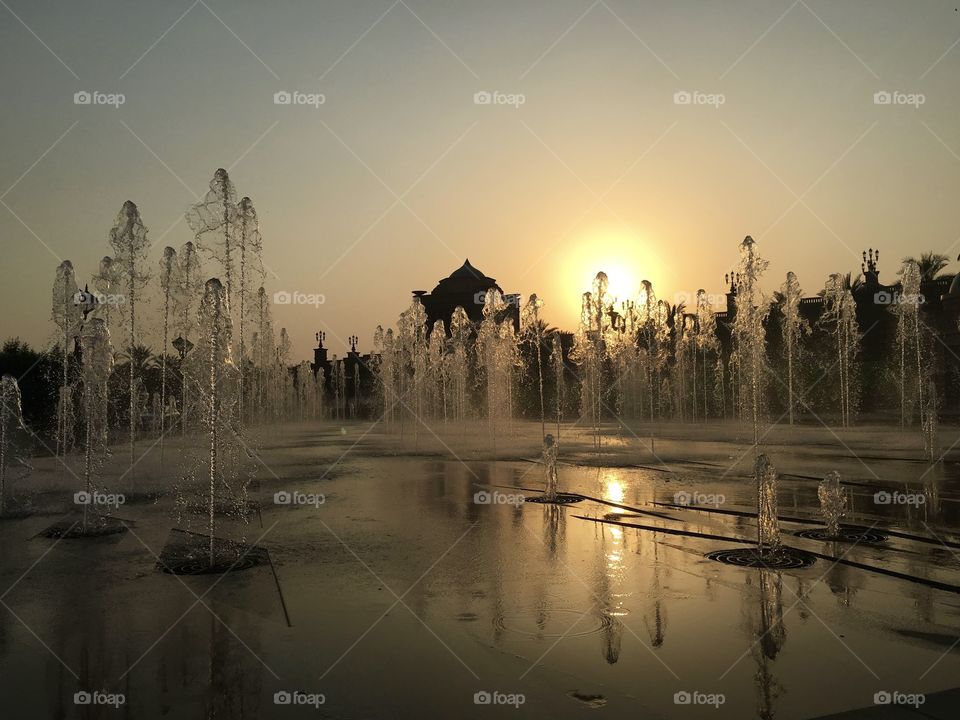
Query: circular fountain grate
x,y
202,566
560,499
99,527
846,534
783,559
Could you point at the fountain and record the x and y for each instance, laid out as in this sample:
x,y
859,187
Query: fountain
x,y
931,443
833,502
556,360
460,329
750,336
96,352
169,283
551,493
66,316
128,238
495,358
840,318
793,328
211,371
11,421
532,329
833,507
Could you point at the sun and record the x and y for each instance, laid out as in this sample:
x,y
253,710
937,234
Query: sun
x,y
616,253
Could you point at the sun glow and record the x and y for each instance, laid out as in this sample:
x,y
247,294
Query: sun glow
x,y
624,257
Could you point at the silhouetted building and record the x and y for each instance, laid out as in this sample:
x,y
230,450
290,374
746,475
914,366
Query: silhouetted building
x,y
465,287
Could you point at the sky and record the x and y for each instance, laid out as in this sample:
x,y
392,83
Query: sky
x,y
543,140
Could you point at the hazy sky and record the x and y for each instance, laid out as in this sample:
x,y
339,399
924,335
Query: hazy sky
x,y
399,175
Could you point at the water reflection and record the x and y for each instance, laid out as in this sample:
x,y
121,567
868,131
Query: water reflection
x,y
764,616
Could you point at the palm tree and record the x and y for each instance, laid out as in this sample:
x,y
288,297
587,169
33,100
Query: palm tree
x,y
930,264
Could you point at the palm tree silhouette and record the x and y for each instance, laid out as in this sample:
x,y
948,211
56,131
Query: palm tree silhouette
x,y
930,264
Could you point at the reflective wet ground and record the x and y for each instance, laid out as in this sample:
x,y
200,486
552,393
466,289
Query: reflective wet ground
x,y
402,596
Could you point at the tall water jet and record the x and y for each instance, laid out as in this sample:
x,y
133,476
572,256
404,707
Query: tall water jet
x,y
590,350
264,352
913,353
11,420
460,329
840,319
189,290
750,336
66,316
793,328
768,526
214,222
550,467
128,238
97,364
833,502
437,366
250,246
531,328
648,306
211,368
556,361
169,282
707,342
107,282
931,425
495,360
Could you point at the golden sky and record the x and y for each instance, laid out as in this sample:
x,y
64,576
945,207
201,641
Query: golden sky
x,y
643,139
